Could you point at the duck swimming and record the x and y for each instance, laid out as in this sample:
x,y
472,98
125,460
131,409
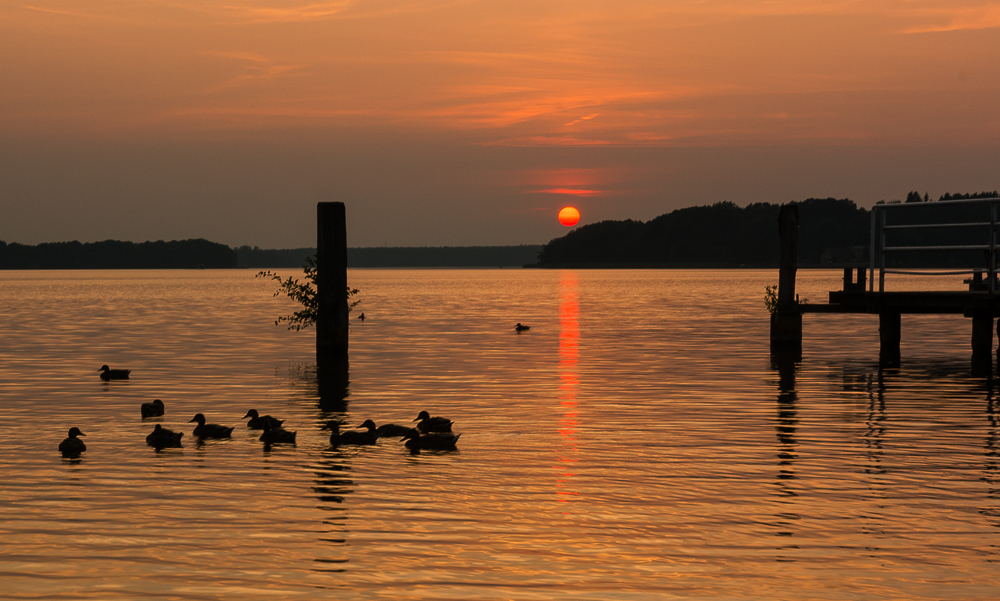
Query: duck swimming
x,y
437,441
257,421
162,438
153,409
114,374
432,424
521,328
276,434
72,446
203,430
392,430
351,437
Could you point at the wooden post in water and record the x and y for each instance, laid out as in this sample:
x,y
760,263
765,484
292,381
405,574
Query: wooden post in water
x,y
786,321
889,335
982,337
331,280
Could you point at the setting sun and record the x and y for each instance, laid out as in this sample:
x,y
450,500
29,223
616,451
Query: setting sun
x,y
569,216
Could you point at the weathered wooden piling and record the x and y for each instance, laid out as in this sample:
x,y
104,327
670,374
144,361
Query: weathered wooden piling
x,y
786,321
331,280
890,334
982,337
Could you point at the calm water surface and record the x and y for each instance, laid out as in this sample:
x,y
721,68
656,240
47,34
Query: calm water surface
x,y
636,443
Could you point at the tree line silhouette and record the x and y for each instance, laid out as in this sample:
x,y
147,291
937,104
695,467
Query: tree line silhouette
x,y
115,254
832,233
193,254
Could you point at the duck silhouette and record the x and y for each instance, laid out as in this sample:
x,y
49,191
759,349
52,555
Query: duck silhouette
x,y
362,316
153,409
392,430
350,437
72,446
162,438
274,434
257,421
114,374
432,424
436,441
203,430
521,328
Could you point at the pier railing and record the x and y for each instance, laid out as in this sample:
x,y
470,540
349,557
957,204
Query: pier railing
x,y
974,226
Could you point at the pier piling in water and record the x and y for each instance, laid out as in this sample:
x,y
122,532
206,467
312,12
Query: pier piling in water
x,y
331,280
982,337
890,334
786,321
981,302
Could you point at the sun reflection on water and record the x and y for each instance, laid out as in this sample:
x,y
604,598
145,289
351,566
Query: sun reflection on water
x,y
569,353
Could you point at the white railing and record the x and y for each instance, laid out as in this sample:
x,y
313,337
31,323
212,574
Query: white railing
x,y
880,247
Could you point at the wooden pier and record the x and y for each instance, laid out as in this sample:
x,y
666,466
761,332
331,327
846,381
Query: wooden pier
x,y
981,302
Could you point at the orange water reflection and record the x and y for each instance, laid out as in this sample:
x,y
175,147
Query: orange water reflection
x,y
569,353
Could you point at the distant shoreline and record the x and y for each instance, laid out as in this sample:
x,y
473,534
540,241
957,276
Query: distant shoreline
x,y
204,254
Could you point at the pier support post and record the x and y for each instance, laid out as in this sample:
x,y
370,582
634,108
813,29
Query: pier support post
x,y
331,280
786,321
889,336
982,337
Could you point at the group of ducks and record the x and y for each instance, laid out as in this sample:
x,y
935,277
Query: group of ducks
x,y
431,433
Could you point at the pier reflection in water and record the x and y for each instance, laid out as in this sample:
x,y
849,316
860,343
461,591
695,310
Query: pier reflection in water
x,y
631,445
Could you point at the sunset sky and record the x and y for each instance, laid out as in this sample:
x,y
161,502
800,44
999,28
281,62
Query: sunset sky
x,y
468,122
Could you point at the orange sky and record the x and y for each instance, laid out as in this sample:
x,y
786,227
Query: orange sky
x,y
471,117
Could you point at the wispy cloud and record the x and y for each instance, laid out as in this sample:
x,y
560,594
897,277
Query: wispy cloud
x,y
571,192
959,19
258,69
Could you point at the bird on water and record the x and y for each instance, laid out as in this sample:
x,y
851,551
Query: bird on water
x,y
203,430
153,409
436,441
432,424
162,438
391,430
521,328
257,421
362,316
72,446
114,374
350,437
274,434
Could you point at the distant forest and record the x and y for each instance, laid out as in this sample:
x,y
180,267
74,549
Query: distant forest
x,y
196,254
113,254
832,233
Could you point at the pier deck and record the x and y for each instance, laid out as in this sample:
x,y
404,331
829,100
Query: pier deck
x,y
946,302
975,229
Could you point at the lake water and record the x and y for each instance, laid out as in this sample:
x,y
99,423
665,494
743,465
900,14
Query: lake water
x,y
636,443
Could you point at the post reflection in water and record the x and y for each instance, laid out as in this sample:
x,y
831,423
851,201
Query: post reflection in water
x,y
785,429
991,448
875,424
331,483
569,353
